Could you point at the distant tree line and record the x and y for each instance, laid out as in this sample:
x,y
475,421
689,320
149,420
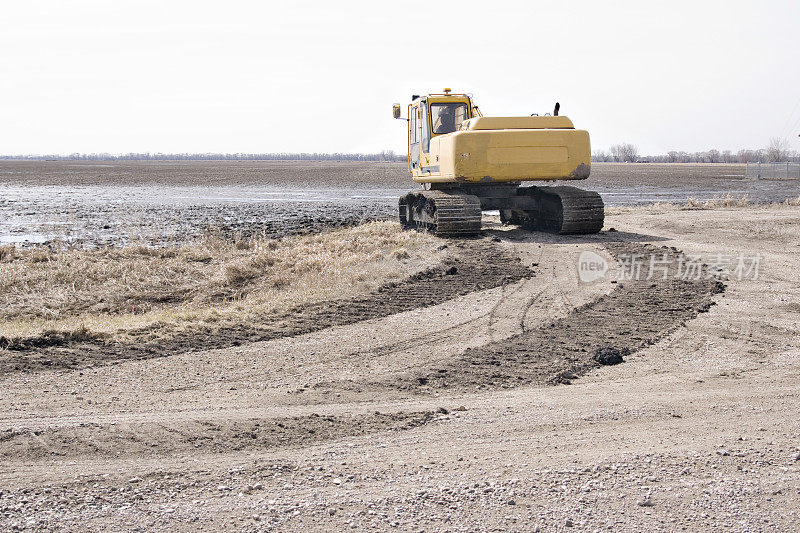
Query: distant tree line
x,y
385,155
621,153
778,150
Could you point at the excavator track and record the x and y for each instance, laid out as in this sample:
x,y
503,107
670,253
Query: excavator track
x,y
569,210
559,209
441,212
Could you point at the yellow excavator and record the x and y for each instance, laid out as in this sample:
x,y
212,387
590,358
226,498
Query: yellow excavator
x,y
468,163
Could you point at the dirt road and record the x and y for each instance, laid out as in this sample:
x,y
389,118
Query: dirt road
x,y
483,411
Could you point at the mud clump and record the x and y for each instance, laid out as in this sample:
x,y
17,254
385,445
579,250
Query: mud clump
x,y
608,355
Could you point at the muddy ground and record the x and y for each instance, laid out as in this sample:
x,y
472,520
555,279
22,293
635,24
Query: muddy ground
x,y
167,202
470,405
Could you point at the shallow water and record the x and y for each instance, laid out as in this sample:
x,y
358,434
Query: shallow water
x,y
90,215
94,215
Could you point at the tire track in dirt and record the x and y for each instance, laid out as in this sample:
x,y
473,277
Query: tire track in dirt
x,y
474,265
424,336
471,327
635,315
442,334
520,306
439,337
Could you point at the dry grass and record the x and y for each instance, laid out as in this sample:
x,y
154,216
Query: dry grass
x,y
727,200
732,201
718,202
792,201
7,251
656,207
114,290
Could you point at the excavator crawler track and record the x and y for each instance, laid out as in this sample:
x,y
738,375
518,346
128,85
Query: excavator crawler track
x,y
443,213
560,209
568,210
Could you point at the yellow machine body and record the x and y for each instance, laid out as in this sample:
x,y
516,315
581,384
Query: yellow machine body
x,y
470,148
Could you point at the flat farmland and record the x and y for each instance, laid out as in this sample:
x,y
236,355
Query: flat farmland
x,y
162,203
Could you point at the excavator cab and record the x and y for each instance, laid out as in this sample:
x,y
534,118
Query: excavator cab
x,y
430,116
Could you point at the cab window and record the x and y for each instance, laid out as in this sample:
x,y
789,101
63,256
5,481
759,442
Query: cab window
x,y
413,126
447,117
426,136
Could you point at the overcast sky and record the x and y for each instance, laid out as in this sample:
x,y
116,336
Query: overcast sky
x,y
196,76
